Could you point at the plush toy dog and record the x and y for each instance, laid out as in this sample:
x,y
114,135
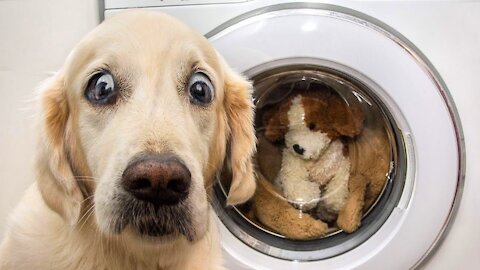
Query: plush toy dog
x,y
312,125
315,172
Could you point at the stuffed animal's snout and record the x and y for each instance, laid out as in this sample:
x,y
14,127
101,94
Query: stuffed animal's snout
x,y
306,144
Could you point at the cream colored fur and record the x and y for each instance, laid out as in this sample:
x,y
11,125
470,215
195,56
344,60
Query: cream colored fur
x,y
66,220
39,239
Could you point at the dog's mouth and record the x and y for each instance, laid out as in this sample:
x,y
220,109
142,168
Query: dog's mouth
x,y
148,220
151,228
156,226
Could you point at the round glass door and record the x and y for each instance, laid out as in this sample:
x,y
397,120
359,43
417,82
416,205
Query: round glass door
x,y
330,163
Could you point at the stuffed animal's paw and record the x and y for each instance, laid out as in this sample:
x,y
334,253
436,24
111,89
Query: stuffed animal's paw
x,y
349,223
306,228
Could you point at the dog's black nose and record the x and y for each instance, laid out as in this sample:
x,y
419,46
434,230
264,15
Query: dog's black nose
x,y
298,149
159,179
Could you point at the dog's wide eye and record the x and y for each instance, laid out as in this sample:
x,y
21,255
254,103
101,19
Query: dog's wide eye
x,y
101,89
312,126
200,89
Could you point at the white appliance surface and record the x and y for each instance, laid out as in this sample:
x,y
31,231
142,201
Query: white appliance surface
x,y
448,34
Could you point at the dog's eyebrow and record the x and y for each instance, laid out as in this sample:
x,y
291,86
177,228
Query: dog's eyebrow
x,y
97,69
195,64
195,58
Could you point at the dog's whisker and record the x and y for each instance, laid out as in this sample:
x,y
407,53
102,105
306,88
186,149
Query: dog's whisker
x,y
85,177
87,180
90,213
86,216
87,198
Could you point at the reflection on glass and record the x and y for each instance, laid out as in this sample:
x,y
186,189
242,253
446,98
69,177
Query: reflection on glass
x,y
325,153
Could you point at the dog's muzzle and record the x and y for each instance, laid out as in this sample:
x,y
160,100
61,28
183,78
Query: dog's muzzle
x,y
155,201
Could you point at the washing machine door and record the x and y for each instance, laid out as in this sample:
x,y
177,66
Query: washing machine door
x,y
405,147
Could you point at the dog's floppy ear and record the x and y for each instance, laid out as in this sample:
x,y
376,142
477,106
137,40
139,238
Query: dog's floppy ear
x,y
239,108
56,180
346,119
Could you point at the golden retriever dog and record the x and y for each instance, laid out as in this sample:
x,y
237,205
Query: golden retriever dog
x,y
134,128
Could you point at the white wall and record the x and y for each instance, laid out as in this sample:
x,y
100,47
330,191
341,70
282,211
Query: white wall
x,y
35,38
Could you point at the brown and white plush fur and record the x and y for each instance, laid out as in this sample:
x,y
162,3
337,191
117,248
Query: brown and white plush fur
x,y
312,125
73,216
343,123
322,166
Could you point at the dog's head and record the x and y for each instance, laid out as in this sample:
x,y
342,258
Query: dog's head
x,y
308,121
136,125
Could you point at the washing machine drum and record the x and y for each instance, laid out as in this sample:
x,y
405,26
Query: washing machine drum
x,y
359,156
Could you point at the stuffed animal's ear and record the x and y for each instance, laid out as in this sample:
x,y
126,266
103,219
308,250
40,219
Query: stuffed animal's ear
x,y
239,109
275,122
56,180
346,119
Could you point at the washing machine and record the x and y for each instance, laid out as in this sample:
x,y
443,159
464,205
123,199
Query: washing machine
x,y
407,145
